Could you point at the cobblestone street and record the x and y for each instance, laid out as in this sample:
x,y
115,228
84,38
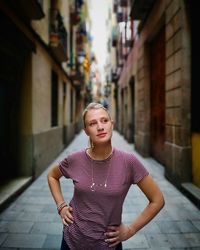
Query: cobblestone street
x,y
32,222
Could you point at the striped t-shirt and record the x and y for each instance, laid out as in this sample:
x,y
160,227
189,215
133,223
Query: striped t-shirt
x,y
95,207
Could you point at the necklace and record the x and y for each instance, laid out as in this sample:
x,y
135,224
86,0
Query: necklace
x,y
104,184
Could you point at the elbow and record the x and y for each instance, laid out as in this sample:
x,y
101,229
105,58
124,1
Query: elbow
x,y
49,177
161,202
158,202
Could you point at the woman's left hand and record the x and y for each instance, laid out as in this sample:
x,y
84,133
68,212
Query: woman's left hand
x,y
117,234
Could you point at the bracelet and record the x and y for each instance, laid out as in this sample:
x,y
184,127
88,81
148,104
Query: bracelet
x,y
61,206
59,211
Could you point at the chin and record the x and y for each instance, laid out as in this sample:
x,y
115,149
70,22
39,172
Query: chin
x,y
103,141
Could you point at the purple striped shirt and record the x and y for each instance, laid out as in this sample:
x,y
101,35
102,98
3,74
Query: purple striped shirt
x,y
94,211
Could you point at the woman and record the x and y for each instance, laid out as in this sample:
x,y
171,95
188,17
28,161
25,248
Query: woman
x,y
102,176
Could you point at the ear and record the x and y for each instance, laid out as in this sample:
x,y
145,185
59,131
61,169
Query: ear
x,y
85,129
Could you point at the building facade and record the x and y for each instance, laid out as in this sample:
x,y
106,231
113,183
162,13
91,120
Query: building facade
x,y
42,82
159,89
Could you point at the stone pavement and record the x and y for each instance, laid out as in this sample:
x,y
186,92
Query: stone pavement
x,y
32,222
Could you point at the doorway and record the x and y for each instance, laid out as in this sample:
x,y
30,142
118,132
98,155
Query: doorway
x,y
13,58
157,99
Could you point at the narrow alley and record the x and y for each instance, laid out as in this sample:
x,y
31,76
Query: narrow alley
x,y
32,222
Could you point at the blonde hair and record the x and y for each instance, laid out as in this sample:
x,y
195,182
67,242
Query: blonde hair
x,y
93,105
90,106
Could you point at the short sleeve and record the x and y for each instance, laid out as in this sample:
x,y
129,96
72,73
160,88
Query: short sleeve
x,y
64,167
138,170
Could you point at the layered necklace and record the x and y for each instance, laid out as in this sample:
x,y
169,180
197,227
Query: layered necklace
x,y
94,185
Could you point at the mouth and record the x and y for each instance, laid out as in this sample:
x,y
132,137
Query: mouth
x,y
102,135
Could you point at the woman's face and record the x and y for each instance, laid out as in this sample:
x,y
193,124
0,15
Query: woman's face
x,y
98,125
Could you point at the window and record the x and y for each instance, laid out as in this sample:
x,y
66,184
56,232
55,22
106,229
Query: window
x,y
54,99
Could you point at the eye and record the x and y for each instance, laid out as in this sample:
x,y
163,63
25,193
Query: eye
x,y
105,120
91,124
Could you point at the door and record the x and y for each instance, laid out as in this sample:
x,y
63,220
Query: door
x,y
13,54
157,93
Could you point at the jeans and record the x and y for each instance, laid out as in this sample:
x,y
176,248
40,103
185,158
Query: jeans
x,y
64,246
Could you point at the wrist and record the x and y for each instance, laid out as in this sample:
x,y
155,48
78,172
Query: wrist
x,y
131,230
60,211
60,206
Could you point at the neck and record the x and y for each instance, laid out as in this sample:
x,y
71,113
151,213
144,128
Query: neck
x,y
100,152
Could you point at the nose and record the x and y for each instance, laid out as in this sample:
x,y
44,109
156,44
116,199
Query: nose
x,y
99,126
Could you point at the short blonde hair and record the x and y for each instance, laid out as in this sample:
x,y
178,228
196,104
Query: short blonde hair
x,y
93,105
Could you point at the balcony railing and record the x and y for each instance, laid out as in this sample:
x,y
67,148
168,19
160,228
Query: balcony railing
x,y
129,43
122,17
58,47
140,8
75,12
77,77
123,3
58,37
74,18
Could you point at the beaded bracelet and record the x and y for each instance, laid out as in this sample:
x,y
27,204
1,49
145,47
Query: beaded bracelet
x,y
59,211
61,206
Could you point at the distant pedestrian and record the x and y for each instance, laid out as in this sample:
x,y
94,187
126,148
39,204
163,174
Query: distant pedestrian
x,y
102,176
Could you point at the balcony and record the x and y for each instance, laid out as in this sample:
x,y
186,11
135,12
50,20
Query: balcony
x,y
115,34
123,3
114,77
75,12
77,78
122,17
129,43
74,18
58,37
31,10
140,8
58,47
120,63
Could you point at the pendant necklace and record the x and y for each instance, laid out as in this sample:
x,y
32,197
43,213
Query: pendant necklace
x,y
94,184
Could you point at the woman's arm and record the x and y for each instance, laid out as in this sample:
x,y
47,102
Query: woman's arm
x,y
53,177
54,184
156,203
